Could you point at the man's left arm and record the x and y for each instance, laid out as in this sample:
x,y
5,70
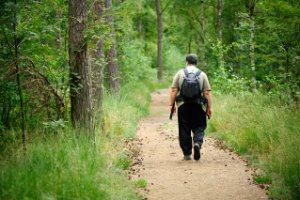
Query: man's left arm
x,y
207,94
209,103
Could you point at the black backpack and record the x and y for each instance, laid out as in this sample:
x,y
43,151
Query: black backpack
x,y
190,91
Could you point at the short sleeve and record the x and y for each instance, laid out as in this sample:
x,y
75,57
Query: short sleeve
x,y
175,83
206,85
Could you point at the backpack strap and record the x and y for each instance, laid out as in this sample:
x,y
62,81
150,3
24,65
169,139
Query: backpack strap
x,y
186,72
198,73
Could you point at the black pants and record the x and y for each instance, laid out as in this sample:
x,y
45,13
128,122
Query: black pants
x,y
191,118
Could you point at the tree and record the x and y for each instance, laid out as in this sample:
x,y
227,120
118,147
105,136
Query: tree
x,y
98,60
113,68
250,6
220,34
159,14
80,71
159,40
201,52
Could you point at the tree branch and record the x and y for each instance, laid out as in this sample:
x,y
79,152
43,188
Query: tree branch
x,y
48,84
166,6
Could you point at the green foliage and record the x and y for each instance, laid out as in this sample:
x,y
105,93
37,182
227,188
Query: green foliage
x,y
141,183
55,126
68,167
173,60
8,102
281,90
263,126
136,68
265,179
230,83
123,161
285,162
123,110
41,48
257,126
8,143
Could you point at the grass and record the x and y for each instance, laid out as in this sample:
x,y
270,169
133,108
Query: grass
x,y
68,166
267,133
141,183
263,179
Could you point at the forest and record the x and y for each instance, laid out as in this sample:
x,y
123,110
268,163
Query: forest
x,y
76,78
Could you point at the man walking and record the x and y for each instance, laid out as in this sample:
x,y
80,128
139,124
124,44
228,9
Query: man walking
x,y
191,109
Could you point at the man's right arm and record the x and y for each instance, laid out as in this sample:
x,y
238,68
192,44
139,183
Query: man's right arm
x,y
174,90
173,94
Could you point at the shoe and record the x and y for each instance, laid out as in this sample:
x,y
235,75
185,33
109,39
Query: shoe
x,y
197,148
187,157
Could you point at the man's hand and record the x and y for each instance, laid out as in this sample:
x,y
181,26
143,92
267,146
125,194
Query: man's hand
x,y
173,93
174,111
209,103
209,112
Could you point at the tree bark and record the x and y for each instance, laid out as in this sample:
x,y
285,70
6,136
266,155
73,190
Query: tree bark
x,y
80,69
98,64
252,50
113,68
203,38
250,5
220,35
287,61
220,23
59,36
159,40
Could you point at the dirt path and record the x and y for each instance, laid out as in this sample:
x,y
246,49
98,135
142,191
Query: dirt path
x,y
220,174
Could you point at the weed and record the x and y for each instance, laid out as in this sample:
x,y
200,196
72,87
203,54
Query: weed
x,y
263,179
123,161
141,183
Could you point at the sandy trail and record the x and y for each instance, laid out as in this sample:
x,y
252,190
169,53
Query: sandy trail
x,y
220,174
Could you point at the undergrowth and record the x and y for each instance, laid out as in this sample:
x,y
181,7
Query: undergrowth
x,y
266,132
68,166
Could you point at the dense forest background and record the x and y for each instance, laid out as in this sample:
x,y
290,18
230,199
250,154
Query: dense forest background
x,y
77,68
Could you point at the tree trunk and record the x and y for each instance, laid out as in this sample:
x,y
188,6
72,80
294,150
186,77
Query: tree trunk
x,y
59,37
220,35
113,68
159,41
80,69
287,62
146,33
19,88
190,45
220,24
252,49
203,39
250,5
98,64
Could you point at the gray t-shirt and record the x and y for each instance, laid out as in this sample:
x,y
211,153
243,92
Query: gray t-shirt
x,y
178,79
